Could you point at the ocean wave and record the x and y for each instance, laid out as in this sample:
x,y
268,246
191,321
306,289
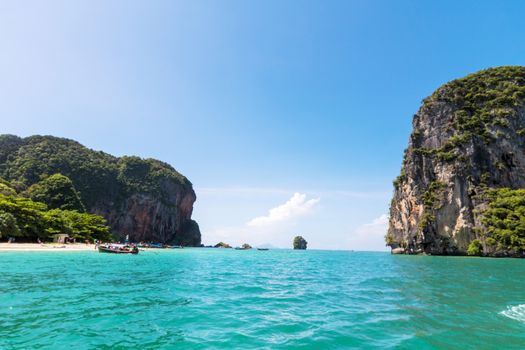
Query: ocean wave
x,y
515,312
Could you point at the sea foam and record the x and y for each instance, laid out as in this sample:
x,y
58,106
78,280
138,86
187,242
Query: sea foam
x,y
515,312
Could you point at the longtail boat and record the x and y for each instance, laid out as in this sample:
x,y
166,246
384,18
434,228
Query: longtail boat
x,y
118,249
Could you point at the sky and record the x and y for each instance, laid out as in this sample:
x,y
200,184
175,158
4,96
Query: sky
x,y
289,117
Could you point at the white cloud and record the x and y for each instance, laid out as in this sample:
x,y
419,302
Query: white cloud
x,y
276,229
370,236
294,207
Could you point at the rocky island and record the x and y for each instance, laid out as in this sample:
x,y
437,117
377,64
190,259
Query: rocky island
x,y
299,243
461,189
144,198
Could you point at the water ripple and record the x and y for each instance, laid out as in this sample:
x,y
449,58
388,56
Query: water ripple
x,y
515,312
225,299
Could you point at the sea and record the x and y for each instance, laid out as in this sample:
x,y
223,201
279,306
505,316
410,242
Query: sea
x,y
276,299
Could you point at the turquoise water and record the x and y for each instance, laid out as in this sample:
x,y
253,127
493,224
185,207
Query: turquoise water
x,y
277,299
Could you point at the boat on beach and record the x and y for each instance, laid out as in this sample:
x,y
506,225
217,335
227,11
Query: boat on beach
x,y
118,249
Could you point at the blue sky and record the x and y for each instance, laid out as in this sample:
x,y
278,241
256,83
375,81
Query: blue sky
x,y
289,117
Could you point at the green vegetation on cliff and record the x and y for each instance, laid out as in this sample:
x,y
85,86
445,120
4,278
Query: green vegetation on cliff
x,y
475,248
28,220
504,220
58,192
97,176
431,201
483,98
482,102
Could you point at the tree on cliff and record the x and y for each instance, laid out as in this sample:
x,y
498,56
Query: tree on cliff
x,y
5,189
58,192
299,243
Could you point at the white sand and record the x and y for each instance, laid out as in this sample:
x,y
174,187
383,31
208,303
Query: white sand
x,y
47,247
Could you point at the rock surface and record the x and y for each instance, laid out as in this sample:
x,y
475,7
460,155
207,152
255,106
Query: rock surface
x,y
299,243
222,245
143,198
467,137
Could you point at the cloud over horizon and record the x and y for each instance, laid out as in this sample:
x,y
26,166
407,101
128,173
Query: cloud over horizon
x,y
296,206
370,236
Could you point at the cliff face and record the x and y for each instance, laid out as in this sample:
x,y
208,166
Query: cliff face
x,y
468,138
143,198
146,218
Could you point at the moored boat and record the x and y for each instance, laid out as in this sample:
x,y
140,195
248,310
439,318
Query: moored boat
x,y
118,249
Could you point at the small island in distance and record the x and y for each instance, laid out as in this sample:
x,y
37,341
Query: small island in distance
x,y
299,243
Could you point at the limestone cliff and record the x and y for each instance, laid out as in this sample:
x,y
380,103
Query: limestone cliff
x,y
143,198
468,137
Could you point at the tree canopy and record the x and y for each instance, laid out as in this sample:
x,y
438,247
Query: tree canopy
x,y
28,219
58,192
97,176
504,219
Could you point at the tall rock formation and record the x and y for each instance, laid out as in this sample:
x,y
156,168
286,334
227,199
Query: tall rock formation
x,y
299,243
468,139
143,198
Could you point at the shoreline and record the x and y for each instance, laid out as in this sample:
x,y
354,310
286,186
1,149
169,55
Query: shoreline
x,y
46,247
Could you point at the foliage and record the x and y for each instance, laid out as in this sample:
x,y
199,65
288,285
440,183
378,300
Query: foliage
x,y
482,101
389,238
78,225
431,200
7,190
147,175
33,220
426,220
398,180
97,176
222,245
58,192
504,218
431,195
8,225
475,248
484,98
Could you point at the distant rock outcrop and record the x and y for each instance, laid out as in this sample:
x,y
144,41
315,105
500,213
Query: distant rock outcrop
x,y
461,184
299,243
143,198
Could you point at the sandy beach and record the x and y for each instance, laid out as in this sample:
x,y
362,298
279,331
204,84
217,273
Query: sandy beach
x,y
52,247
